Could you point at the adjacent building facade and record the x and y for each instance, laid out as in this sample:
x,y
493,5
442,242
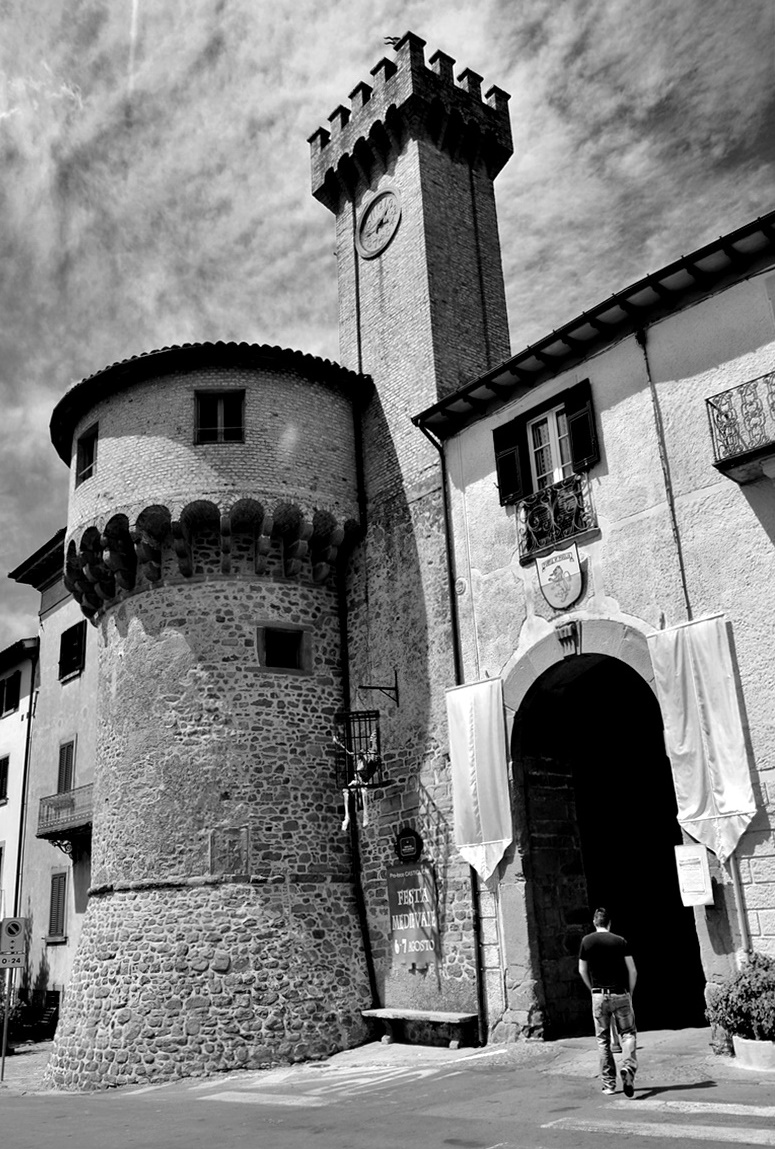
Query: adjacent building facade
x,y
285,564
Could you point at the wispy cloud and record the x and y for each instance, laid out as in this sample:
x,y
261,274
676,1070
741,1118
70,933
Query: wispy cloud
x,y
155,180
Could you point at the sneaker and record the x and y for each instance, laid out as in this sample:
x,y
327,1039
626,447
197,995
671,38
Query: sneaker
x,y
627,1083
609,1090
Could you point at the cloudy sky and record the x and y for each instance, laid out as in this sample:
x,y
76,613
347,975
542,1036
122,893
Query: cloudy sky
x,y
154,183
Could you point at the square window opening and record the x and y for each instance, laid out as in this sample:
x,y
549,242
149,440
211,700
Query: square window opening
x,y
285,649
220,417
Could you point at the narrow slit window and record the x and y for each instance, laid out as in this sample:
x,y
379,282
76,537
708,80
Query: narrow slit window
x,y
10,692
4,763
86,456
72,650
66,767
56,912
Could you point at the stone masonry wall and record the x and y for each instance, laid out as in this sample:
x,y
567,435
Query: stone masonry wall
x,y
178,980
198,738
399,619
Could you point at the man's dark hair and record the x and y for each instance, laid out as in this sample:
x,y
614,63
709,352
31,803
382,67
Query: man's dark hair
x,y
601,917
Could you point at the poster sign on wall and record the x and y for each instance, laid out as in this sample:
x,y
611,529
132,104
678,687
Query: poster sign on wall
x,y
414,916
694,875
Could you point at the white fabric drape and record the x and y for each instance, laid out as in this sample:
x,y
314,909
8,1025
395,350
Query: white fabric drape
x,y
480,788
695,683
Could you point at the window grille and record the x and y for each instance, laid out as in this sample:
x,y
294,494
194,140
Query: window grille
x,y
229,851
358,752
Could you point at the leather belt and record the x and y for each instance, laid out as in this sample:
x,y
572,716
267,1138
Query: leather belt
x,y
607,989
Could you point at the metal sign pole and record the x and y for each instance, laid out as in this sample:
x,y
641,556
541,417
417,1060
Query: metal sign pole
x,y
8,976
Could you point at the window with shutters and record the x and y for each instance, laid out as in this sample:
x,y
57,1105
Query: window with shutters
x,y
86,455
10,691
56,910
220,417
4,763
541,460
66,772
72,650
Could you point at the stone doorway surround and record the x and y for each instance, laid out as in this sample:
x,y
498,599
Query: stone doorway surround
x,y
524,967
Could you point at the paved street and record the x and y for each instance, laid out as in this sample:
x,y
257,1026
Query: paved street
x,y
542,1096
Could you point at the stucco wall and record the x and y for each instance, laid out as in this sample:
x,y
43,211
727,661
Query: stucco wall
x,y
631,565
13,739
64,711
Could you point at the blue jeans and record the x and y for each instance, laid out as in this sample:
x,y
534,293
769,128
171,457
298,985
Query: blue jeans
x,y
618,1006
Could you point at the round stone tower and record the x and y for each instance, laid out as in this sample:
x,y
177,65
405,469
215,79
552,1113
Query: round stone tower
x,y
211,488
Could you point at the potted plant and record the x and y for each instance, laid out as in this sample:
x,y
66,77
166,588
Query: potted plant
x,y
744,1007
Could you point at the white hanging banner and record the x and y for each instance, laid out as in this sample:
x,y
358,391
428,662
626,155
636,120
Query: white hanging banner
x,y
695,683
480,787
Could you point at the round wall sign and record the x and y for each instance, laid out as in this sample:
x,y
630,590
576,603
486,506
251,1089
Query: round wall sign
x,y
378,223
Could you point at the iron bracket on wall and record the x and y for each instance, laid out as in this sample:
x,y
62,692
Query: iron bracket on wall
x,y
391,692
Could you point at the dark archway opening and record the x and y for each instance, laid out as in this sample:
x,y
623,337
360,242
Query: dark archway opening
x,y
600,822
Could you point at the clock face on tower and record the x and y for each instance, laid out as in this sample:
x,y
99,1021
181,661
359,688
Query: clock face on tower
x,y
378,223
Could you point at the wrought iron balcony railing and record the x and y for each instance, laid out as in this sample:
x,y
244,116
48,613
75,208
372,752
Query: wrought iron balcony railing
x,y
65,815
742,427
554,515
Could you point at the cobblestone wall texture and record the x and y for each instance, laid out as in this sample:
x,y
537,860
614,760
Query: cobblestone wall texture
x,y
173,982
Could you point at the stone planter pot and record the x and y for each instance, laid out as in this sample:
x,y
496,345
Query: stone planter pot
x,y
752,1054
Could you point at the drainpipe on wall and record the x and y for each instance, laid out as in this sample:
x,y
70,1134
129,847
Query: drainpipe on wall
x,y
17,897
458,663
344,646
640,338
733,866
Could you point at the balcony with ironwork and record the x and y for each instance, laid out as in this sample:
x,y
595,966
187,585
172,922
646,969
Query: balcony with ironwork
x,y
742,427
553,516
67,817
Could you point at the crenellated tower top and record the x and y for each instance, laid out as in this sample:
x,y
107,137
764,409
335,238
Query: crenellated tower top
x,y
407,92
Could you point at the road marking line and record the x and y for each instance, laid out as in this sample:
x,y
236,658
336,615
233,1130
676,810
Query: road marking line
x,y
485,1053
729,1108
305,1100
655,1129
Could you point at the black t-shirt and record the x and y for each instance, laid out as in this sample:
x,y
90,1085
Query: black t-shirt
x,y
605,952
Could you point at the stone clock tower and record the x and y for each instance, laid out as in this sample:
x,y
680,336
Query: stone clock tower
x,y
408,172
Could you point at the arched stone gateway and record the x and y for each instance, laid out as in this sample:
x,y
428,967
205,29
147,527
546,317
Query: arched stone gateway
x,y
595,820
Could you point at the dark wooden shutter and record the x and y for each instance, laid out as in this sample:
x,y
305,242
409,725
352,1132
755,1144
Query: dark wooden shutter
x,y
13,686
512,461
65,777
72,649
56,913
585,450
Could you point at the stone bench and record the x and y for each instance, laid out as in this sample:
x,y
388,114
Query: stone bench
x,y
393,1016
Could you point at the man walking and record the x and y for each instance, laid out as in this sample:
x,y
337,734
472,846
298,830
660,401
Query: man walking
x,y
608,970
